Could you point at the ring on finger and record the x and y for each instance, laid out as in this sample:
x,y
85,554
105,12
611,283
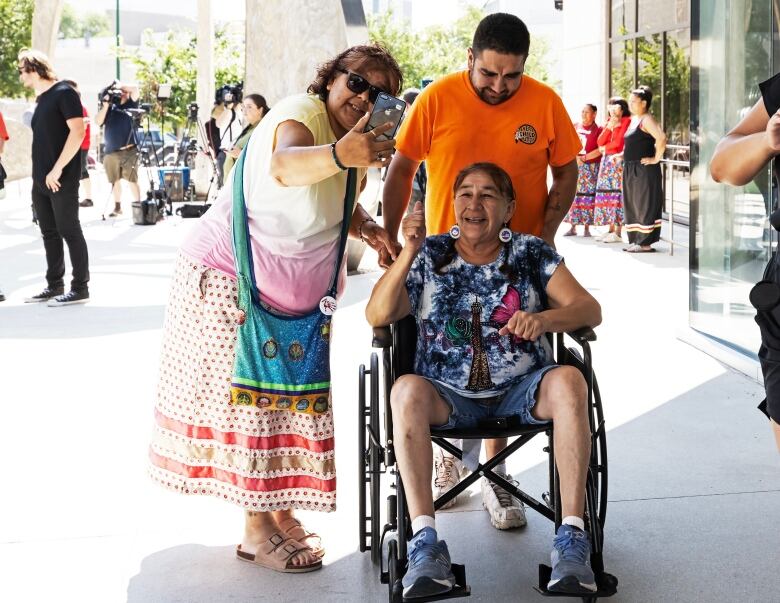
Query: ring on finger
x,y
379,157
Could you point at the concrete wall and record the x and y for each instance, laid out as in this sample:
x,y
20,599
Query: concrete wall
x,y
585,71
285,41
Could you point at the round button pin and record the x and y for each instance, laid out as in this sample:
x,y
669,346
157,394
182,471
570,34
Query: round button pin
x,y
327,305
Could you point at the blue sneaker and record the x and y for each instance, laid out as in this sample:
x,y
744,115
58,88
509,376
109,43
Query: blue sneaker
x,y
571,572
428,572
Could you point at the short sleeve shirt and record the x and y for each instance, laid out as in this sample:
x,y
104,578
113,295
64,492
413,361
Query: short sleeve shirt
x,y
450,127
460,312
118,130
3,131
294,229
50,131
770,91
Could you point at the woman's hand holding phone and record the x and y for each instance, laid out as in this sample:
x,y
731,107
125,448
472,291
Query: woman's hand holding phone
x,y
362,149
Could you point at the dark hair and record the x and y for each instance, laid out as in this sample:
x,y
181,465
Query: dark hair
x,y
502,33
259,101
619,100
503,183
35,60
364,54
592,107
645,93
410,95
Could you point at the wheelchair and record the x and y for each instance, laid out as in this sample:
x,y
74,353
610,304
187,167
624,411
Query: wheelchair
x,y
388,544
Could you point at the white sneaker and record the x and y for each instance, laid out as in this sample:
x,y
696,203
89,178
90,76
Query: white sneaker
x,y
611,237
506,512
446,474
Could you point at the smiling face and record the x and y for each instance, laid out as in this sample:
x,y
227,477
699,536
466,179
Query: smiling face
x,y
345,107
588,115
616,110
637,105
495,76
480,208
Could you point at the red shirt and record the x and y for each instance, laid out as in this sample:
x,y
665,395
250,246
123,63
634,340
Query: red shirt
x,y
589,137
87,130
612,140
3,131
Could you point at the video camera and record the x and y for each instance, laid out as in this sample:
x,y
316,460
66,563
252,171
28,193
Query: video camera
x,y
229,93
113,92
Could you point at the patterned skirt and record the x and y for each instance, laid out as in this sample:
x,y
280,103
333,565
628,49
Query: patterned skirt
x,y
608,208
261,460
581,210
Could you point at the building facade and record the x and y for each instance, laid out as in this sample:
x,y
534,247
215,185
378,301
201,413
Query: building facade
x,y
703,59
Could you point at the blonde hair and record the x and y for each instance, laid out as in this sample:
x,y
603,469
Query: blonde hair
x,y
37,61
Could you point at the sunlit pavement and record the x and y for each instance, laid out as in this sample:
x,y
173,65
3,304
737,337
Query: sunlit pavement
x,y
694,476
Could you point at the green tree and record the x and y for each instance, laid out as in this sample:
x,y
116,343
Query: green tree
x,y
439,50
173,60
16,19
81,25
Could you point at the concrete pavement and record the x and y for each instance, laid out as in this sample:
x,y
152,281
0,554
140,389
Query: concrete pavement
x,y
694,475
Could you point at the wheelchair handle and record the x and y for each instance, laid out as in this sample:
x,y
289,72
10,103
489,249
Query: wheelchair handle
x,y
383,338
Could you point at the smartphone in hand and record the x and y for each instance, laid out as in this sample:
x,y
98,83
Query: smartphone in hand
x,y
386,109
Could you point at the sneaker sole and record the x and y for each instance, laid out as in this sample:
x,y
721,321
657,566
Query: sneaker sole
x,y
428,587
505,524
571,585
37,301
70,303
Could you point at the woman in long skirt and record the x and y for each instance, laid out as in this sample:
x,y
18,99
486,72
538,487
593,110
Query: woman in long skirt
x,y
258,443
588,160
643,196
608,210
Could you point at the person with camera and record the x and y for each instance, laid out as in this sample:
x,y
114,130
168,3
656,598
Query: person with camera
x,y
58,130
120,158
229,120
290,200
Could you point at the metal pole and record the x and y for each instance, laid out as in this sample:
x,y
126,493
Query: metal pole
x,y
671,213
118,76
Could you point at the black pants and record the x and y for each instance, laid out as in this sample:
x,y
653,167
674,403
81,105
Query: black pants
x,y
58,219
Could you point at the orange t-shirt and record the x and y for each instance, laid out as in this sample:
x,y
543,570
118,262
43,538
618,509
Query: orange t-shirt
x,y
3,131
450,127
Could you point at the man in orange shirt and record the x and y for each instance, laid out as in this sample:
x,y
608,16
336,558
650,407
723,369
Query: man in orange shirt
x,y
490,112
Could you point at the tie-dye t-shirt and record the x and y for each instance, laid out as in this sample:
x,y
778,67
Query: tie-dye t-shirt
x,y
460,312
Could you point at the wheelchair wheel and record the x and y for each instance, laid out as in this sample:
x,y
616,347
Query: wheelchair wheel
x,y
369,461
395,592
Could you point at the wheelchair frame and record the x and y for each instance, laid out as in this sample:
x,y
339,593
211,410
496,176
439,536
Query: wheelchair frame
x,y
395,342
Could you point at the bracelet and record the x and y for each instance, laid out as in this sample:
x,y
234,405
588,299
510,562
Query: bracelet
x,y
360,228
339,165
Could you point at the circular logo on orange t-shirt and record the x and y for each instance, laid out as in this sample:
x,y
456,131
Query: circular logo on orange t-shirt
x,y
525,133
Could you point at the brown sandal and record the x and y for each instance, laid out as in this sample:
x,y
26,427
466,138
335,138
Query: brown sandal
x,y
277,553
295,529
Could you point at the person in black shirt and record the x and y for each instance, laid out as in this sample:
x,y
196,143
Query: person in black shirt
x,y
738,158
58,129
121,151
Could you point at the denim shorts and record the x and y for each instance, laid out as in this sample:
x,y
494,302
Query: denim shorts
x,y
518,400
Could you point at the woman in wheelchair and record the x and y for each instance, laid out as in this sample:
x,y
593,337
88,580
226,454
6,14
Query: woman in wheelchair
x,y
484,298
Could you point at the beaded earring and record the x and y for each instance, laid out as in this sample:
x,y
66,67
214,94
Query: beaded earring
x,y
455,231
505,235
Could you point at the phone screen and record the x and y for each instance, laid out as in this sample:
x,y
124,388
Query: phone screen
x,y
386,109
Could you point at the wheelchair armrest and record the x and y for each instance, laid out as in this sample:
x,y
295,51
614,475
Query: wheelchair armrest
x,y
582,335
383,337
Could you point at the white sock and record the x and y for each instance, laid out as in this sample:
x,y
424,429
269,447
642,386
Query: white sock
x,y
577,522
423,521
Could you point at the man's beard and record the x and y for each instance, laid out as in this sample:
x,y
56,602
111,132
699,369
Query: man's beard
x,y
485,93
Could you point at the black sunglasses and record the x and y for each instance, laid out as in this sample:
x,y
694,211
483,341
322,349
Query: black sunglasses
x,y
358,84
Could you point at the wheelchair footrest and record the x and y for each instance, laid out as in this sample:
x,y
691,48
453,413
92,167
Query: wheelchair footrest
x,y
461,589
606,584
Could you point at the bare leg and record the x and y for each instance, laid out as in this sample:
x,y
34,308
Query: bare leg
x,y
416,406
562,396
618,229
258,527
87,184
116,190
493,447
776,429
135,190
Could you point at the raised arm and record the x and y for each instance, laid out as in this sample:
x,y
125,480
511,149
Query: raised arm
x,y
747,148
297,162
390,300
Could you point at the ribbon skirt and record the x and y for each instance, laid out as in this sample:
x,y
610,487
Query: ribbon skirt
x,y
262,459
